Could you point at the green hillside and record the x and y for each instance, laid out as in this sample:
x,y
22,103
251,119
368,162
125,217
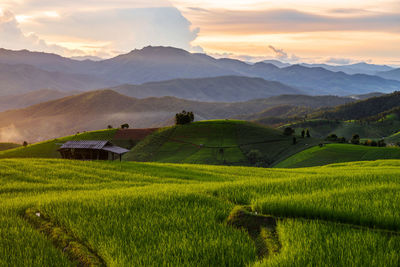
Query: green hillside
x,y
48,149
6,146
217,142
75,213
338,153
395,138
321,128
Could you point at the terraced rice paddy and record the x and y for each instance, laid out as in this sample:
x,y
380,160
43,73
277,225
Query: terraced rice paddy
x,y
157,214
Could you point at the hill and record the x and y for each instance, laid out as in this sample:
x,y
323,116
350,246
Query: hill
x,y
218,89
217,142
338,153
6,146
394,138
152,64
69,213
376,117
363,109
97,109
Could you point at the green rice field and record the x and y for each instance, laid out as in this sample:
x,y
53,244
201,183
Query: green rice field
x,y
163,214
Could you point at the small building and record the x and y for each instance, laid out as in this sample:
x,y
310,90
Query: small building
x,y
91,150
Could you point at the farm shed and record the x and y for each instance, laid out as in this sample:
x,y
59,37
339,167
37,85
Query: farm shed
x,y
91,150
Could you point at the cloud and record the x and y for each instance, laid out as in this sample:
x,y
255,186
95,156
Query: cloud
x,y
118,30
292,21
339,61
12,37
282,55
279,52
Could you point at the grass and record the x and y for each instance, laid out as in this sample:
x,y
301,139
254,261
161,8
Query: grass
x,y
6,146
48,149
158,214
217,142
338,153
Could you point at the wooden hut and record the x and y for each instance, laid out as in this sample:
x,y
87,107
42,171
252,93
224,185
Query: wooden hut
x,y
91,150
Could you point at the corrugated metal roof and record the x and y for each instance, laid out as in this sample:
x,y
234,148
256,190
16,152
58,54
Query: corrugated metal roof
x,y
91,144
85,144
116,149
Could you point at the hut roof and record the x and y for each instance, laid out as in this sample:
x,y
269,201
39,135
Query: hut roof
x,y
85,144
91,144
116,149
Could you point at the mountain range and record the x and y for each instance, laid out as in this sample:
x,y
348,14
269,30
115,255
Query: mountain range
x,y
154,64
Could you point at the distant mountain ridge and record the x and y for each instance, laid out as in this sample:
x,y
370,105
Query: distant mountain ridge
x,y
217,89
392,74
31,98
152,64
22,78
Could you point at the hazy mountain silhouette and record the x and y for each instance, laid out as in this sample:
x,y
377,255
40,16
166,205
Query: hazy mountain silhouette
x,y
392,74
222,89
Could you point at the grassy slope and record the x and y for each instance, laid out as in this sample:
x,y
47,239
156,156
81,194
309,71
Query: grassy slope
x,y
6,146
337,153
201,143
322,128
165,214
395,138
48,149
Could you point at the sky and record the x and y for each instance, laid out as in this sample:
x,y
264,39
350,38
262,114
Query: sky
x,y
313,31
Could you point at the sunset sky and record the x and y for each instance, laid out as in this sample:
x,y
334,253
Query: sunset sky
x,y
336,32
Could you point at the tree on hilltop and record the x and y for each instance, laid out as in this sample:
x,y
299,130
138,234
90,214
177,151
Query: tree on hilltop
x,y
184,117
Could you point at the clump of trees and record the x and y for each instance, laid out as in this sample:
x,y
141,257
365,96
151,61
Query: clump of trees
x,y
334,138
288,131
25,144
110,127
379,143
184,117
125,126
